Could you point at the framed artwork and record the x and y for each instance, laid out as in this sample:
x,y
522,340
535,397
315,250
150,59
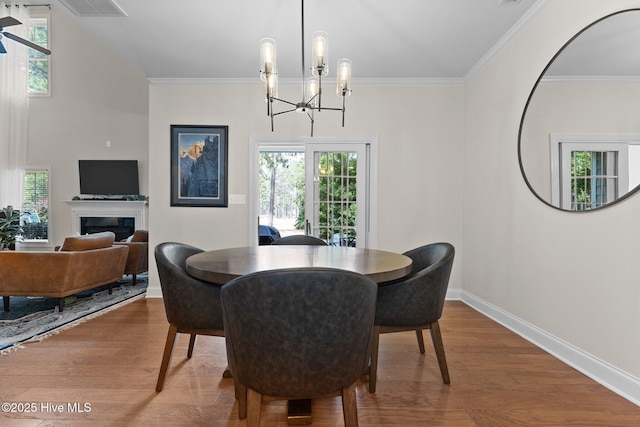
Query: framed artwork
x,y
199,159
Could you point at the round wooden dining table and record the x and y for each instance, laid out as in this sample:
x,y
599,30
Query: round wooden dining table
x,y
221,266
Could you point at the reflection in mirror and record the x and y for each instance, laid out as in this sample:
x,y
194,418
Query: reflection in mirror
x,y
579,142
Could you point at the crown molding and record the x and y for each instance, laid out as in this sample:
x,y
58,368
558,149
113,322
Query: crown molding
x,y
506,38
291,82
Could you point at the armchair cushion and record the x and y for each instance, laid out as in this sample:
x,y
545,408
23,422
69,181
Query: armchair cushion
x,y
88,242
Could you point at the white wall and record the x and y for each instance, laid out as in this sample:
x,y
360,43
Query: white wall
x,y
420,169
570,279
95,97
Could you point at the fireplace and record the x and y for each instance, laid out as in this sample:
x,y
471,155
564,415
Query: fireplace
x,y
120,216
122,227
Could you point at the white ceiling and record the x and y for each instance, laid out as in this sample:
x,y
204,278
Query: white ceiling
x,y
385,39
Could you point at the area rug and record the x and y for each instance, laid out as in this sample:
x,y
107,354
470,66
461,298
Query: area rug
x,y
35,318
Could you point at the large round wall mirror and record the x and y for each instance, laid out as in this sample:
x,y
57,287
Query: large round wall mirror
x,y
579,139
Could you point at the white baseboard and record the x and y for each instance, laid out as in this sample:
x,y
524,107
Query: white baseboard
x,y
454,295
616,380
154,290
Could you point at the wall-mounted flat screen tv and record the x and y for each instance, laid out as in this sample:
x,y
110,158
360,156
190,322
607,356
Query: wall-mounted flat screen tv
x,y
109,177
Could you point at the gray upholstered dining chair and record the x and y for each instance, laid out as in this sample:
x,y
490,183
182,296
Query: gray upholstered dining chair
x,y
192,306
298,334
415,303
300,239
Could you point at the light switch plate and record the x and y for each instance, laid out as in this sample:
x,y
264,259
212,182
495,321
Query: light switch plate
x,y
237,199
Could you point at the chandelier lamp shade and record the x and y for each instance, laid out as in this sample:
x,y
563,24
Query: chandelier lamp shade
x,y
311,86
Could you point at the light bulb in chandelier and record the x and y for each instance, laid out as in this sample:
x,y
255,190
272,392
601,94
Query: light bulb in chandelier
x,y
268,58
343,87
271,85
311,92
320,53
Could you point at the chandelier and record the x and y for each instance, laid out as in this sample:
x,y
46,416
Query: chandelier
x,y
311,87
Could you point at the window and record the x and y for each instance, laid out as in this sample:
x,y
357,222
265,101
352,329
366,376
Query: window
x,y
39,66
594,179
35,206
590,171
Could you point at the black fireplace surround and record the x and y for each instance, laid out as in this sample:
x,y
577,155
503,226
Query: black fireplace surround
x,y
122,227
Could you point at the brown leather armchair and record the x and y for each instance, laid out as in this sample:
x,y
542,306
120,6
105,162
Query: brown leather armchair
x,y
138,258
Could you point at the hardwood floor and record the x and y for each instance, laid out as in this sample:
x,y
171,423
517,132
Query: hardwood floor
x,y
111,363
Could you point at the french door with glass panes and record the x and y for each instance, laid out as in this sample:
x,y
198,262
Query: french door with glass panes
x,y
336,193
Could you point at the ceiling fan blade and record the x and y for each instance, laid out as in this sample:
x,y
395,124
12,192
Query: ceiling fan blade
x,y
27,43
2,49
8,21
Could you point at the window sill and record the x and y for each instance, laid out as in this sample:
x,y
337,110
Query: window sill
x,y
34,245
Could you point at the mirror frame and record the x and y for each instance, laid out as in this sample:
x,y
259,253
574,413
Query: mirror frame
x,y
524,114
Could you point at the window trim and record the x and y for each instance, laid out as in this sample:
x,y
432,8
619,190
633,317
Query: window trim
x,y
41,243
588,142
47,18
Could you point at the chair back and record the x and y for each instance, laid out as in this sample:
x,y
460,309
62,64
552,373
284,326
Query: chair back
x,y
300,239
140,236
419,298
298,333
191,304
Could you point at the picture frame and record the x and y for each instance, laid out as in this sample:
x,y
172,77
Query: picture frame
x,y
199,161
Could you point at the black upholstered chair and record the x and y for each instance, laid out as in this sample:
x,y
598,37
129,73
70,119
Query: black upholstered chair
x,y
415,303
300,239
192,306
298,334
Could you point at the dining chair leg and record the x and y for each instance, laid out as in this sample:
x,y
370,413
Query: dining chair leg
x,y
241,397
438,346
227,373
420,340
192,343
166,356
254,405
349,407
373,363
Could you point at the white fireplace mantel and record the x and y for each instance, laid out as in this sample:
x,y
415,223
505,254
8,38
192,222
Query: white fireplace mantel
x,y
108,208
